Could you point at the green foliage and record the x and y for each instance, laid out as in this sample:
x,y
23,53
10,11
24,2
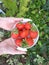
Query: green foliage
x,y
23,7
10,6
16,8
38,11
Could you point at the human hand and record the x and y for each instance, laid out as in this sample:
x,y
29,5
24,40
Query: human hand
x,y
8,23
8,46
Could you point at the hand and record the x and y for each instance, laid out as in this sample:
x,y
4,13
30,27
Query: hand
x,y
8,23
8,47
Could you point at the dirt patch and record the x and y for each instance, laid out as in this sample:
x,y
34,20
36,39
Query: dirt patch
x,y
3,61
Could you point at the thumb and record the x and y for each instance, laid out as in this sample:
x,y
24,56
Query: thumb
x,y
16,20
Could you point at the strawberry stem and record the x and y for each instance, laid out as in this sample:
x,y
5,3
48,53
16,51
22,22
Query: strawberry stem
x,y
24,43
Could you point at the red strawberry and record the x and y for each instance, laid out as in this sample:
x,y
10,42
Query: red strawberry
x,y
30,41
24,33
27,26
18,42
33,34
20,26
13,35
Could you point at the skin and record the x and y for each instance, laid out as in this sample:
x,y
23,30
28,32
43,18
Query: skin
x,y
8,46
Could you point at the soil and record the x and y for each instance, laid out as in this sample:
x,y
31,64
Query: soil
x,y
3,61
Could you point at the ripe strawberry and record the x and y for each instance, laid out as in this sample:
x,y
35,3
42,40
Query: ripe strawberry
x,y
27,26
20,26
30,41
33,34
13,35
24,33
18,42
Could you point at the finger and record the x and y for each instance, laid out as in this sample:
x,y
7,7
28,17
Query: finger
x,y
15,21
8,42
18,19
17,52
12,19
12,52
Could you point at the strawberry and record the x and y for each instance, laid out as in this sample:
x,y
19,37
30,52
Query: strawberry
x,y
29,41
33,34
13,35
20,26
18,42
27,26
24,33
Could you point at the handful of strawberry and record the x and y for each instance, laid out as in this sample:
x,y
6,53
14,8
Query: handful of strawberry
x,y
25,35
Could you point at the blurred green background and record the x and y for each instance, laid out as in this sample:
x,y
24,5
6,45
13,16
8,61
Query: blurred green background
x,y
38,11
